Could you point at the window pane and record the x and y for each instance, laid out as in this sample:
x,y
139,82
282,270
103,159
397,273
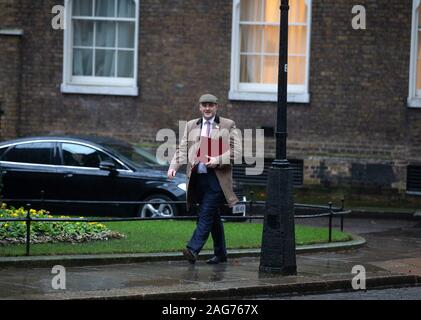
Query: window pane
x,y
83,33
296,70
105,34
251,38
104,63
419,62
297,12
250,69
418,77
419,18
272,11
270,70
126,34
251,10
2,151
38,152
297,40
125,64
262,40
81,156
105,8
82,62
82,8
271,44
126,9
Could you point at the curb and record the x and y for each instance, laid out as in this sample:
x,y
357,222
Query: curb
x,y
106,259
250,292
278,289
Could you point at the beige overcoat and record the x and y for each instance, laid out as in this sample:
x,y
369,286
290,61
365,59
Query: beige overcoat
x,y
222,129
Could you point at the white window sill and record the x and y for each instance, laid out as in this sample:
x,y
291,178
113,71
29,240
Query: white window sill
x,y
414,102
268,96
11,32
105,90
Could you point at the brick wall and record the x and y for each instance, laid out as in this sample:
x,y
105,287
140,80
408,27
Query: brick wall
x,y
9,69
358,82
9,99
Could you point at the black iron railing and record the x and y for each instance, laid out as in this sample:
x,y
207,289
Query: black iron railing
x,y
331,212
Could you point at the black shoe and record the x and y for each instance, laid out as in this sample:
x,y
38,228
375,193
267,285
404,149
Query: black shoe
x,y
189,255
216,260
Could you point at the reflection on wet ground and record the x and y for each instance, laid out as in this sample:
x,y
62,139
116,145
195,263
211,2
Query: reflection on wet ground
x,y
393,247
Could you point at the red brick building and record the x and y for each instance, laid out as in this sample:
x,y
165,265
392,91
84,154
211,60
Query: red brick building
x,y
127,68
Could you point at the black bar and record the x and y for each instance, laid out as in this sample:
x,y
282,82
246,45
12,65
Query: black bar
x,y
251,204
281,123
307,216
131,219
28,229
260,203
330,221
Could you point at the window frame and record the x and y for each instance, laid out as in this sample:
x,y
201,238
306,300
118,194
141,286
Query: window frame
x,y
92,84
414,100
264,92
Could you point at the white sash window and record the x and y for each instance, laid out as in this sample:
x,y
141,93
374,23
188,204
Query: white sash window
x,y
100,47
255,50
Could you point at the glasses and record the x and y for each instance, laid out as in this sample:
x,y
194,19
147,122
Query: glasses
x,y
208,104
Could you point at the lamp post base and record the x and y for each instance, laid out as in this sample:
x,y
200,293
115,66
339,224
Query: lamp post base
x,y
284,271
278,240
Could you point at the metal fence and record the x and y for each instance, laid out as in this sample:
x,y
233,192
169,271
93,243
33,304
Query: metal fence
x,y
331,212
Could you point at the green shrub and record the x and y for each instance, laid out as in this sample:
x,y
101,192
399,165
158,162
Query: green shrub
x,y
12,232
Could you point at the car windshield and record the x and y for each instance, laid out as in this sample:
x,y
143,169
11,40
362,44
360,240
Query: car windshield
x,y
138,156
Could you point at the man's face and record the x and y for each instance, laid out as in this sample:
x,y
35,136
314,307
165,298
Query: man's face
x,y
208,109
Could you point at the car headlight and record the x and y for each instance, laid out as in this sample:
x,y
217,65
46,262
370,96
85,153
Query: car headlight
x,y
182,186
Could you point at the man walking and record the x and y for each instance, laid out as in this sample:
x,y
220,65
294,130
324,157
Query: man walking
x,y
209,175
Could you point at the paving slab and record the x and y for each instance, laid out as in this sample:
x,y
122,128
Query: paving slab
x,y
392,256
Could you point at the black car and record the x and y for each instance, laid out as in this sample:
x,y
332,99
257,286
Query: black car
x,y
90,169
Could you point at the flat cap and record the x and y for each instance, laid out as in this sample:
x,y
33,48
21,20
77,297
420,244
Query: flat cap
x,y
208,98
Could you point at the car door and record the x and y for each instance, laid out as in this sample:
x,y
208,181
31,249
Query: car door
x,y
28,171
82,179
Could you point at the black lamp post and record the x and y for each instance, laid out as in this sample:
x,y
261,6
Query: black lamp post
x,y
278,241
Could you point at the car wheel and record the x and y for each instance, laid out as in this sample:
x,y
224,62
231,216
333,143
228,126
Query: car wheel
x,y
157,207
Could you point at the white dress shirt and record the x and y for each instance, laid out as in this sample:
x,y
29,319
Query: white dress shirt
x,y
201,166
204,126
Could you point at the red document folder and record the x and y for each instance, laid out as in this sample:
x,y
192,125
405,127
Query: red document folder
x,y
211,147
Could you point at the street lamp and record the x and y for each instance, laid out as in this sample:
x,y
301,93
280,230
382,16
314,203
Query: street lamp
x,y
278,239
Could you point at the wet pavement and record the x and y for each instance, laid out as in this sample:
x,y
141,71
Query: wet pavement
x,y
391,256
413,293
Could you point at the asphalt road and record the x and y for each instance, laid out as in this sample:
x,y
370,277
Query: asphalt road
x,y
413,293
363,227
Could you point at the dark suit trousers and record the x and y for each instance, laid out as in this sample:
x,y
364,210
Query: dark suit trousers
x,y
211,198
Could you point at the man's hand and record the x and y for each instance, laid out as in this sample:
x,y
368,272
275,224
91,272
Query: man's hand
x,y
171,173
212,162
